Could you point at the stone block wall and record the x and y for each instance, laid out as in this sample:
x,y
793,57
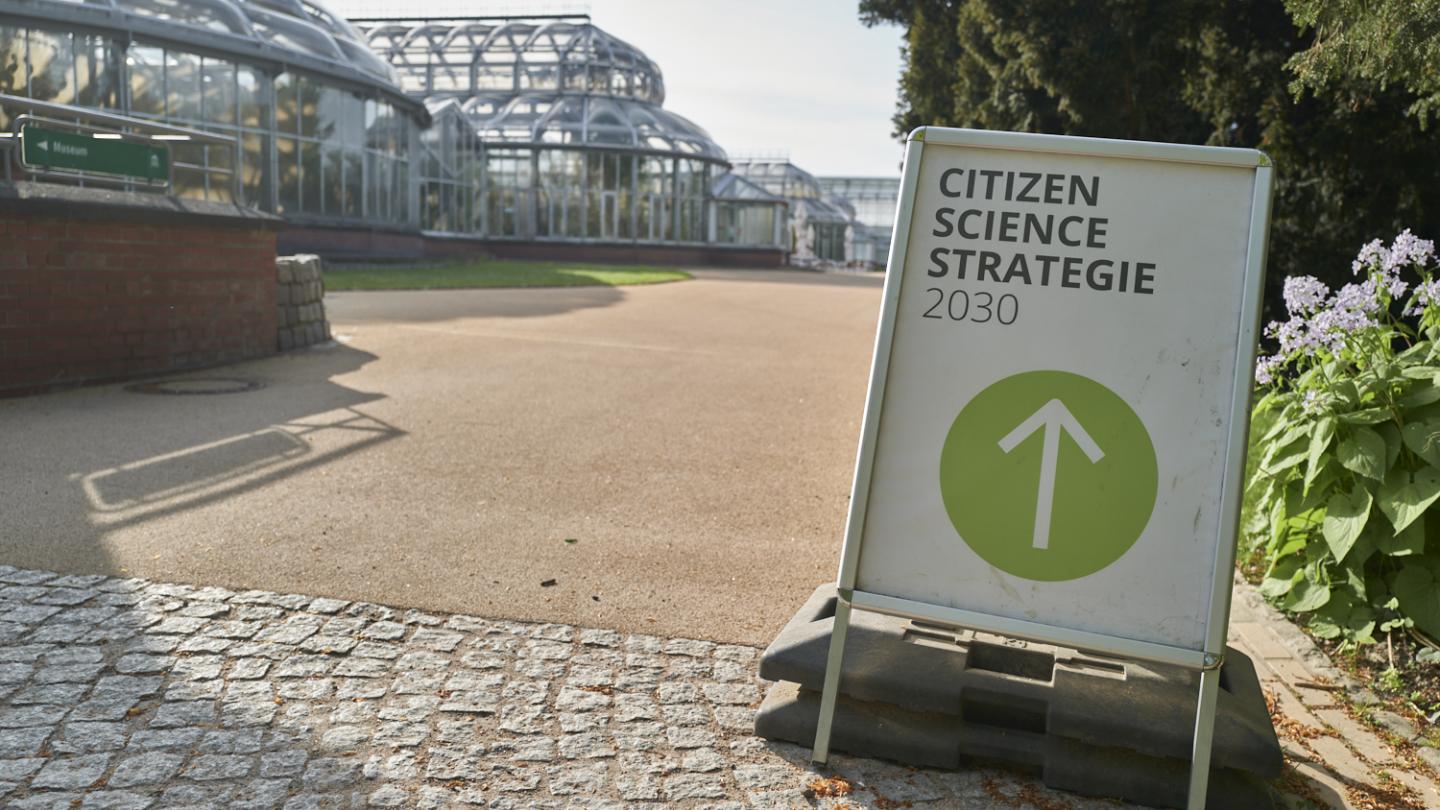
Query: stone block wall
x,y
300,299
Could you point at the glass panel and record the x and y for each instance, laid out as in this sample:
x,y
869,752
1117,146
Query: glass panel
x,y
351,121
333,185
51,65
287,107
288,152
626,182
310,96
255,170
354,183
147,80
182,86
310,174
372,184
401,212
12,60
594,183
218,87
380,181
12,66
96,71
254,91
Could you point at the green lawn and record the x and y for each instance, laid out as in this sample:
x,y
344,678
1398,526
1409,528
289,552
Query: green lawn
x,y
494,274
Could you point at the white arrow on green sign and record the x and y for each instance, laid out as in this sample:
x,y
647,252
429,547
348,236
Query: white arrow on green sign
x,y
1044,508
1053,417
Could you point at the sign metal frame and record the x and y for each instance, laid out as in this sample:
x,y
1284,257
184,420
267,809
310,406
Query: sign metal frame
x,y
1206,661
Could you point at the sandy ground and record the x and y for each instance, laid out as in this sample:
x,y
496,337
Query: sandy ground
x,y
675,458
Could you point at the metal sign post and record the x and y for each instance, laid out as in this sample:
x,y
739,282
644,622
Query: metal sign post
x,y
1055,428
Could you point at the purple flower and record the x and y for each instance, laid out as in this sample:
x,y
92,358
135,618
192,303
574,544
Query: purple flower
x,y
1304,294
1371,255
1426,293
1357,298
1408,249
1333,327
1265,369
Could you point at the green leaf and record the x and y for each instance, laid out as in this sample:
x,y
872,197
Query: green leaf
x,y
1368,416
1306,596
1404,497
1422,394
1291,547
1277,424
1414,353
1423,438
1329,621
1355,578
1323,627
1320,439
1345,517
1407,543
1390,432
1281,578
1285,462
1419,597
1277,518
1363,453
1347,393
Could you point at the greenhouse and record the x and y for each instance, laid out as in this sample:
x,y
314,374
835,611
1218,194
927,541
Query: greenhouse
x,y
365,135
820,225
325,135
576,144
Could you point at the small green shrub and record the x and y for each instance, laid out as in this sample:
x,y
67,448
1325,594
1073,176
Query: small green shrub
x,y
1345,448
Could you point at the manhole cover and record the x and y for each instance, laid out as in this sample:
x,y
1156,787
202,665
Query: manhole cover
x,y
196,385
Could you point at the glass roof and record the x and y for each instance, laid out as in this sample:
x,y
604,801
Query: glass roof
x,y
277,29
464,58
562,82
779,176
730,186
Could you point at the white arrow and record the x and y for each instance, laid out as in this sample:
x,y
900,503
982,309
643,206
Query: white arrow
x,y
1053,417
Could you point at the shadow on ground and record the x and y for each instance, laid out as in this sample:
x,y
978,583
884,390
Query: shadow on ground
x,y
149,455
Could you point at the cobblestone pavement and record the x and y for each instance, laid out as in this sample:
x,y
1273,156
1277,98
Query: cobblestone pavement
x,y
128,694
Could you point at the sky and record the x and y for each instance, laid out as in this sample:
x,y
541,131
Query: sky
x,y
799,77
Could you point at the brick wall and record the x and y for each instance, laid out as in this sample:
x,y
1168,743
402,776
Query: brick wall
x,y
86,297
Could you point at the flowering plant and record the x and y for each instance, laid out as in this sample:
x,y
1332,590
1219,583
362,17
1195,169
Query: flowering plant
x,y
1345,448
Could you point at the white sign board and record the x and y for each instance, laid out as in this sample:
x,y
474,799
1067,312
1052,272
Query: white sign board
x,y
1053,442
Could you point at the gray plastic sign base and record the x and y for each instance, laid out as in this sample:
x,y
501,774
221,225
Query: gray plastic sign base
x,y
1094,725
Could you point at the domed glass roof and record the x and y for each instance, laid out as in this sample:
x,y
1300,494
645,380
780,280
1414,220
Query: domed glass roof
x,y
302,33
561,82
436,58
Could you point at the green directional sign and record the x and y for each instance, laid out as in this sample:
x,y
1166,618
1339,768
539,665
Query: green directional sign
x,y
43,148
1048,475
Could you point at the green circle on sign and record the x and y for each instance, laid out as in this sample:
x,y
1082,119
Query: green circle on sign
x,y
1048,475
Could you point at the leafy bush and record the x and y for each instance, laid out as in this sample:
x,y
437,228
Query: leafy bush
x,y
1345,448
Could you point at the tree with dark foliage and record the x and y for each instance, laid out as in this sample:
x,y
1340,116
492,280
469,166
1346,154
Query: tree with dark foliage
x,y
1338,105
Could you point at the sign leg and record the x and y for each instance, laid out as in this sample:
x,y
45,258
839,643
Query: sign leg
x,y
821,751
1204,733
